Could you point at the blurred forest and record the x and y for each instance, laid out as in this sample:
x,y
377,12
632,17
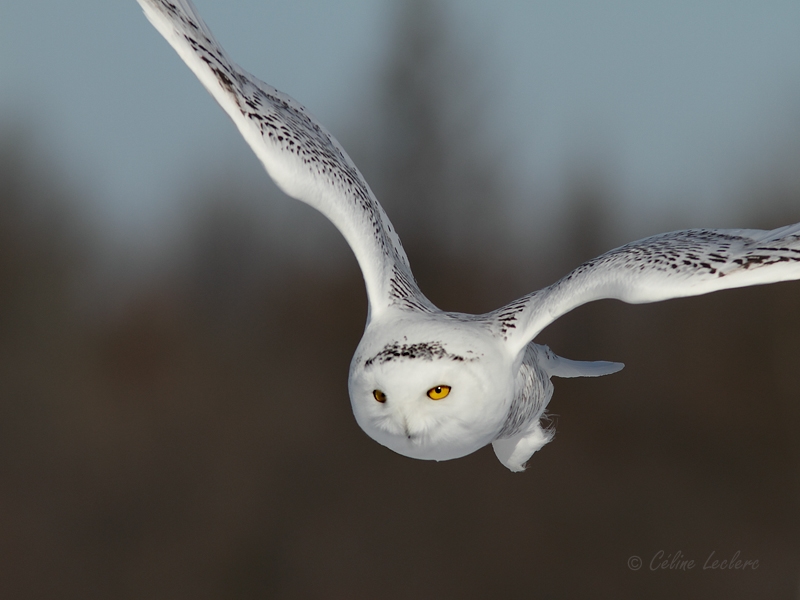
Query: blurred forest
x,y
185,431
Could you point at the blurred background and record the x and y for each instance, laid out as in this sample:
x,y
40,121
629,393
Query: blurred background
x,y
175,334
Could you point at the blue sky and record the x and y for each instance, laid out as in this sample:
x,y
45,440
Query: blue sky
x,y
681,102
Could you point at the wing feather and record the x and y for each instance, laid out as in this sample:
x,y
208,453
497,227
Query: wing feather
x,y
669,265
303,159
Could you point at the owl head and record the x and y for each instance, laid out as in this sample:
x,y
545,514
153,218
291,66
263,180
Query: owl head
x,y
433,392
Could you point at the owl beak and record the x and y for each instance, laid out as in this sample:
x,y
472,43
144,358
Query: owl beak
x,y
409,436
414,438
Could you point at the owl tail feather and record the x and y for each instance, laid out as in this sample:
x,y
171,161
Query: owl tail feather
x,y
557,366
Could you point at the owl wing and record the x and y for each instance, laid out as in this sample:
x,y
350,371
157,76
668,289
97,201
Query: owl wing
x,y
669,265
303,159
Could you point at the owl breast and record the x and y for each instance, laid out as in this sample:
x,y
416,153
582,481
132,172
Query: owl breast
x,y
533,390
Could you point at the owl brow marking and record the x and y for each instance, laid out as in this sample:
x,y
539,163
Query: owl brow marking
x,y
423,350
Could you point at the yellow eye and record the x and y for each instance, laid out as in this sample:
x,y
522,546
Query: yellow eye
x,y
379,396
439,392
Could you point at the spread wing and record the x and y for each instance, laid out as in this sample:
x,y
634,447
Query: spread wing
x,y
303,159
669,265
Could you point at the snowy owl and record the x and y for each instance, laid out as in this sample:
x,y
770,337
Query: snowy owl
x,y
439,385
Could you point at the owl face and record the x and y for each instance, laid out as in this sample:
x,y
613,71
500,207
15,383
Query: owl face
x,y
430,396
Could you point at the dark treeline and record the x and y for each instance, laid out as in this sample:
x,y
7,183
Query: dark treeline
x,y
195,439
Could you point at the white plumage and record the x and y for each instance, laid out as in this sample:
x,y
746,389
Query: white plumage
x,y
438,385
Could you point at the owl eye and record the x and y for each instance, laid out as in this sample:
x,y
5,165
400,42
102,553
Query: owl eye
x,y
379,396
439,392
